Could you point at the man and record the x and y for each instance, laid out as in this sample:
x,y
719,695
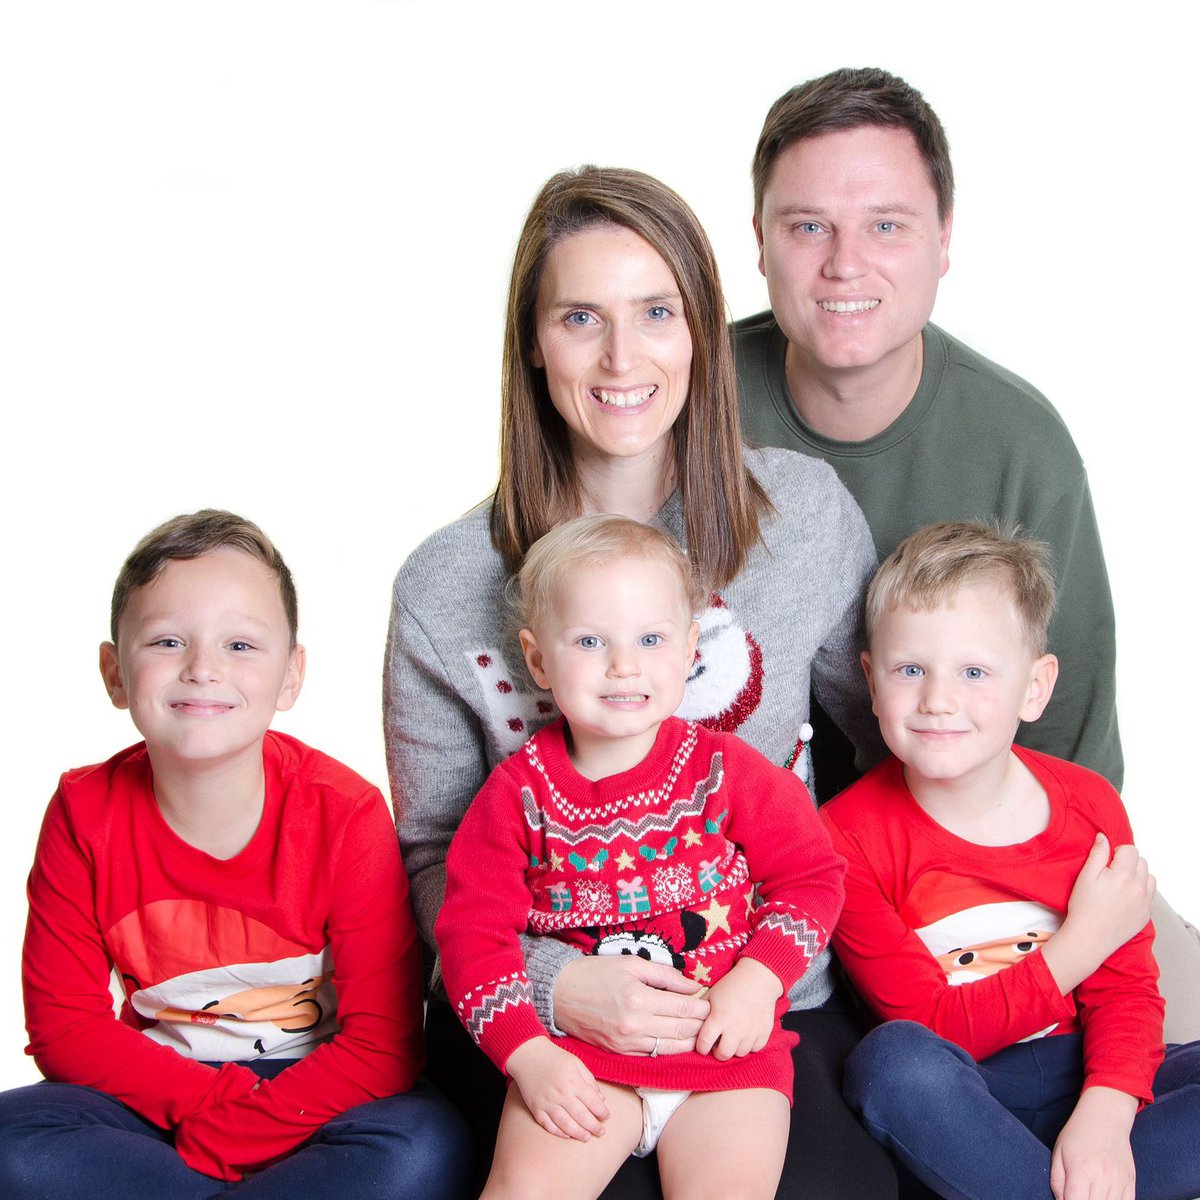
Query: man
x,y
853,205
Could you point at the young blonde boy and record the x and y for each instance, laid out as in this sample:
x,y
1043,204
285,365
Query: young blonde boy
x,y
996,910
248,892
625,830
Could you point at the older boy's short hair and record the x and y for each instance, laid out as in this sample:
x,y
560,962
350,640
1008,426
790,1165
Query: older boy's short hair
x,y
848,99
930,566
191,535
586,541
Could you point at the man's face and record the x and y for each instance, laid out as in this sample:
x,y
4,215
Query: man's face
x,y
852,247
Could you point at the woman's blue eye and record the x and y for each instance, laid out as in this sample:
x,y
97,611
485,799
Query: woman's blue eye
x,y
651,639
911,671
579,317
658,312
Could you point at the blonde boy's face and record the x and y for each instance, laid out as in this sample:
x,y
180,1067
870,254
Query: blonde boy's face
x,y
951,684
203,658
615,648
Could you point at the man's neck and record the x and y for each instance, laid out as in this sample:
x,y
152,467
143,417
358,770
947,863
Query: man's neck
x,y
214,807
852,404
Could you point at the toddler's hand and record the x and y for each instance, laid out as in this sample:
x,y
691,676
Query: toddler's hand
x,y
742,1011
560,1092
1092,1157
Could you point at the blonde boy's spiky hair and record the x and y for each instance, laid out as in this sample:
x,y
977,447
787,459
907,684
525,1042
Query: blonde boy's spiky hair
x,y
930,566
586,541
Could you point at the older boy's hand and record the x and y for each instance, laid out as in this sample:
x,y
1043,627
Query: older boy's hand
x,y
1092,1159
742,1012
560,1092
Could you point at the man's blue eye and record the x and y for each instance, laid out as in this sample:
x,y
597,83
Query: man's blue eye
x,y
651,639
886,226
809,227
911,671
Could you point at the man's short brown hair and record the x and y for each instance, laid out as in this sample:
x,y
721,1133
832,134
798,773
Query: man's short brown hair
x,y
846,99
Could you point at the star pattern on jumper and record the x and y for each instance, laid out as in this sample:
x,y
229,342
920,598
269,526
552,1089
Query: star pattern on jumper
x,y
717,916
692,837
556,861
701,973
625,861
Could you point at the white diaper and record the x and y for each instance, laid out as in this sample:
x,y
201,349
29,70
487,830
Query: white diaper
x,y
658,1106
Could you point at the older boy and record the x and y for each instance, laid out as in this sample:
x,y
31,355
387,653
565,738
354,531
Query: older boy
x,y
987,918
248,892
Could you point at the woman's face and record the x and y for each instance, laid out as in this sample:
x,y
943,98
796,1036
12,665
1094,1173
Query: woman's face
x,y
613,341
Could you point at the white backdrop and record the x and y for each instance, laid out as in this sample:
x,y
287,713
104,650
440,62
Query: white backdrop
x,y
254,255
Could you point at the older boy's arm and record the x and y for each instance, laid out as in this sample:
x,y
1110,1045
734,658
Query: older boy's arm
x,y
74,1035
378,1051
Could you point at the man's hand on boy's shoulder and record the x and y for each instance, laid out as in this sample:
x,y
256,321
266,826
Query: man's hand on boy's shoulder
x,y
1092,1158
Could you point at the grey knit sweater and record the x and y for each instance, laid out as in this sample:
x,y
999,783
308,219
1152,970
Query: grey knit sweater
x,y
458,698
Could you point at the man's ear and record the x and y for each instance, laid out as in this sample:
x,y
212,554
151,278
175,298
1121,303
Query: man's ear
x,y
110,672
865,661
293,680
762,266
944,242
1042,677
533,658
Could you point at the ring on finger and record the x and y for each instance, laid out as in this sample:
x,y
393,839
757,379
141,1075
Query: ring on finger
x,y
654,1052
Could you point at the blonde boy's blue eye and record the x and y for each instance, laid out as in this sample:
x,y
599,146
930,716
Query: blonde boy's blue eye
x,y
911,671
589,641
240,646
973,672
651,639
169,643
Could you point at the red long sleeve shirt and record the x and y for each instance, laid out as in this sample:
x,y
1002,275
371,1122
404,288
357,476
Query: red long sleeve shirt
x,y
945,932
302,946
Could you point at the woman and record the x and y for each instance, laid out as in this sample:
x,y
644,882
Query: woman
x,y
619,396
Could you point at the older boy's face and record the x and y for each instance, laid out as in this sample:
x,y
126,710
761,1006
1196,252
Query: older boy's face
x,y
951,684
203,658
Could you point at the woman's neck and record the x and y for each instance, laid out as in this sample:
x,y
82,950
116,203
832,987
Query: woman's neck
x,y
629,487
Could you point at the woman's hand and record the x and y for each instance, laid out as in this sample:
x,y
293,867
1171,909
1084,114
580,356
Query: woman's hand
x,y
743,1011
560,1092
627,1005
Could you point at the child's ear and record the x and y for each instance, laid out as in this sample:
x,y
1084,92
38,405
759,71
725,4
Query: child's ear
x,y
693,637
1042,677
110,672
865,661
533,658
293,680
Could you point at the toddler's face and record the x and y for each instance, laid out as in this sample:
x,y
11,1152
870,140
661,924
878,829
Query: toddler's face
x,y
951,684
615,648
203,659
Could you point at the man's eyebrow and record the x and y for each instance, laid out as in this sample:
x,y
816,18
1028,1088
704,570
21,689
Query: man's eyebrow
x,y
813,210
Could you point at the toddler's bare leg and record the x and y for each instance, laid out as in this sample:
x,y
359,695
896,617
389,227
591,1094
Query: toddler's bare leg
x,y
725,1144
531,1164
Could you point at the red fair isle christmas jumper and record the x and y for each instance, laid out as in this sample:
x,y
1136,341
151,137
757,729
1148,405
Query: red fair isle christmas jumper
x,y
948,933
660,861
301,946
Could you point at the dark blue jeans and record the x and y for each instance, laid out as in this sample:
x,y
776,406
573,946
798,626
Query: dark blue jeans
x,y
985,1131
63,1142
